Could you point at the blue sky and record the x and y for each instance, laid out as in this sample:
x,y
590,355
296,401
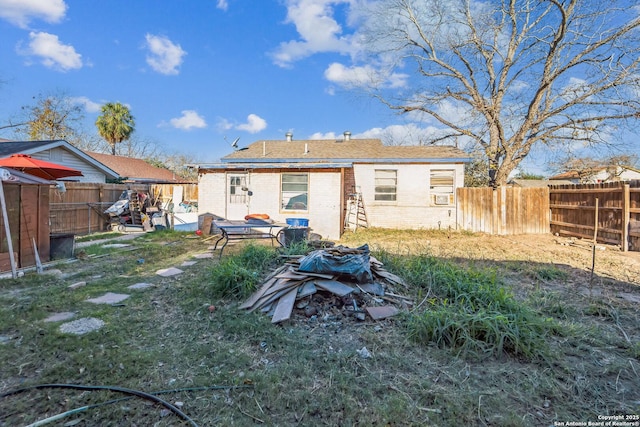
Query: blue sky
x,y
198,74
191,72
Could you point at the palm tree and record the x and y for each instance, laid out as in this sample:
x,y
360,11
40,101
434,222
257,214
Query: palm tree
x,y
116,124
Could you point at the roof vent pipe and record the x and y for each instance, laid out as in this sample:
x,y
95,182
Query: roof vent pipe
x,y
347,135
289,136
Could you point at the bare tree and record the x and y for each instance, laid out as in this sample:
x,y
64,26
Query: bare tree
x,y
54,116
176,162
139,147
507,75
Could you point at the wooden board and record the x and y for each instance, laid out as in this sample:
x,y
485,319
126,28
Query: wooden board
x,y
267,299
258,294
206,225
334,287
284,307
308,288
382,312
5,260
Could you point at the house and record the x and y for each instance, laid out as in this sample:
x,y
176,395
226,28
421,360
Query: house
x,y
399,186
598,175
137,170
63,153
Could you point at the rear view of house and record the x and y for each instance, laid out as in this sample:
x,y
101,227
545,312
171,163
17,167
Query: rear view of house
x,y
320,180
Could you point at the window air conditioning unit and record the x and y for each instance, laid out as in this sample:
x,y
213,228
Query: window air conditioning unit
x,y
442,199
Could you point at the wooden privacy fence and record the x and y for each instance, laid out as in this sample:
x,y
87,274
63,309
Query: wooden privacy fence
x,y
573,212
505,210
79,209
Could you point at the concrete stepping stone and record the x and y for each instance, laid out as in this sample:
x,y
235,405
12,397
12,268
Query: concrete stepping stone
x,y
59,317
629,297
204,255
77,285
141,286
167,272
116,245
188,263
81,326
109,298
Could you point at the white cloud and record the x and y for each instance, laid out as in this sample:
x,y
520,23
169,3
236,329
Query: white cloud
x,y
350,77
403,134
89,105
320,135
53,54
190,119
406,134
223,124
222,4
254,124
21,12
164,56
318,30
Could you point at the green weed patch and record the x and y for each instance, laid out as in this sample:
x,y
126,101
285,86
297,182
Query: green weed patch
x,y
470,311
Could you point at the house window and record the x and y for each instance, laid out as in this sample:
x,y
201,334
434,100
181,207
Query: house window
x,y
386,184
442,187
237,189
294,190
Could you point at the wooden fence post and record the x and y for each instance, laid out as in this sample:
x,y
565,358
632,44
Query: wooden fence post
x,y
626,217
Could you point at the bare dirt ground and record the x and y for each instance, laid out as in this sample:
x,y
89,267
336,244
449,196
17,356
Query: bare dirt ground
x,y
615,271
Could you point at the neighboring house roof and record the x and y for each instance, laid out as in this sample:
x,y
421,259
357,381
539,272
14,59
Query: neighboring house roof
x,y
575,175
7,148
137,170
339,153
536,183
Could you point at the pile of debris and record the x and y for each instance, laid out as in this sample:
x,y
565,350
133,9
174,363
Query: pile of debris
x,y
337,278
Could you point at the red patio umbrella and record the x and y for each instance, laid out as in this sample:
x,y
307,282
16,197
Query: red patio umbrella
x,y
43,169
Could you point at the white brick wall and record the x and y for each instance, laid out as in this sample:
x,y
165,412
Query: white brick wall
x,y
211,193
323,201
412,207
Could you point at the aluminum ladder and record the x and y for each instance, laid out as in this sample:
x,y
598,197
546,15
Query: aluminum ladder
x,y
356,215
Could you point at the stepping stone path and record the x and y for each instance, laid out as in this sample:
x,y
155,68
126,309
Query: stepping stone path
x,y
204,256
141,286
168,272
109,298
89,324
116,245
81,326
77,285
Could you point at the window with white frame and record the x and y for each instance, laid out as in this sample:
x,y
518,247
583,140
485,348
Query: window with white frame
x,y
294,191
237,189
442,187
386,184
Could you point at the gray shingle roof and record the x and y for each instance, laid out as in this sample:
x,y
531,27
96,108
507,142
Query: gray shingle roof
x,y
8,148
